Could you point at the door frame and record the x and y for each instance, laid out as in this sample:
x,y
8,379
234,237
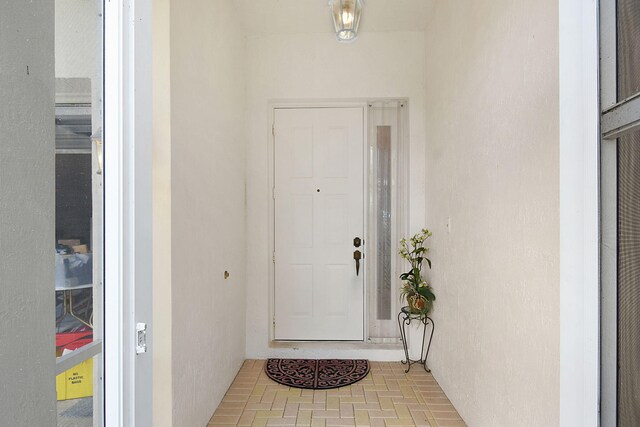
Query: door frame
x,y
403,183
608,222
294,104
127,170
579,230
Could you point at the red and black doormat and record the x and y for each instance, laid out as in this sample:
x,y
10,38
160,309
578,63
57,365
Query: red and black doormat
x,y
316,374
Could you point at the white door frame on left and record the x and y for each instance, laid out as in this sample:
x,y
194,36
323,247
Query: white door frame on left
x,y
127,214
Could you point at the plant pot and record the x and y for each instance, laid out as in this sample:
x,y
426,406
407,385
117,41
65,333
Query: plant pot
x,y
417,304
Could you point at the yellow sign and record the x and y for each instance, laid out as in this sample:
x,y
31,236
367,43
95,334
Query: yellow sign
x,y
76,382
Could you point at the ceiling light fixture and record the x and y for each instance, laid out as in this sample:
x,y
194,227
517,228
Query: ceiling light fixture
x,y
346,18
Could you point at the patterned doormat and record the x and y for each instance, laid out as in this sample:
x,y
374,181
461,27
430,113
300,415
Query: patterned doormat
x,y
316,374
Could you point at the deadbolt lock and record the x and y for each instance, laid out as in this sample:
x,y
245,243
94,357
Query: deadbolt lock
x,y
357,242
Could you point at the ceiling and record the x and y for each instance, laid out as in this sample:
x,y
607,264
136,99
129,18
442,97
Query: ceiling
x,y
312,16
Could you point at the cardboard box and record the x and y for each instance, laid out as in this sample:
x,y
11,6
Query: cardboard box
x,y
69,242
80,249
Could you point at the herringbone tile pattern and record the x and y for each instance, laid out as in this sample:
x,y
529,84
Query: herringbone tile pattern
x,y
386,397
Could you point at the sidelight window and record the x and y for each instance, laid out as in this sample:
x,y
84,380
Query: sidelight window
x,y
388,208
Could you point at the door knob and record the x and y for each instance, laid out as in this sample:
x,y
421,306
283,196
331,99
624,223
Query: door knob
x,y
357,255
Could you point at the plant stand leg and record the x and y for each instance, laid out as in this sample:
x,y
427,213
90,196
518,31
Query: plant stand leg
x,y
402,319
427,320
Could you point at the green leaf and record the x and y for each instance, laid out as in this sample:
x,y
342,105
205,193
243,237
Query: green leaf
x,y
428,262
428,294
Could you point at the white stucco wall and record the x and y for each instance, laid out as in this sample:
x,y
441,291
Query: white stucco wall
x,y
314,66
207,205
492,166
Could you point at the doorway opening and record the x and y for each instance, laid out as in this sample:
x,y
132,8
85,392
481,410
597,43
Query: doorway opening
x,y
339,207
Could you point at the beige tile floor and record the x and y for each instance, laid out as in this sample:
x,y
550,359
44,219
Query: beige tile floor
x,y
385,397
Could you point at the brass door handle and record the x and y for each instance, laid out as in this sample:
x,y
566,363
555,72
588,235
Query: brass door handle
x,y
357,255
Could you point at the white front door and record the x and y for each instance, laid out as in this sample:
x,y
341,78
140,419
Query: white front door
x,y
319,211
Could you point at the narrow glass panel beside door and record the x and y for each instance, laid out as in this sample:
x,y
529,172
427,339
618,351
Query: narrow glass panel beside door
x,y
387,215
78,246
383,223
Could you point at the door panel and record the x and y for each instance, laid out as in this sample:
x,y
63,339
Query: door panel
x,y
319,209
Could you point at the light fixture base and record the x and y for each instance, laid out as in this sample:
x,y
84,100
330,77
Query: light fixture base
x,y
346,16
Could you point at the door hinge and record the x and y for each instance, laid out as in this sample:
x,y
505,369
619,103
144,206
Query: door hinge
x,y
141,338
273,257
273,193
274,322
273,129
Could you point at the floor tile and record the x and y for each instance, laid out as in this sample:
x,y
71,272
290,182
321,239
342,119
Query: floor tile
x,y
387,397
448,415
450,423
326,414
336,422
281,422
224,420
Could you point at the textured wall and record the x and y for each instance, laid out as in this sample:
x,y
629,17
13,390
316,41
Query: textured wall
x,y
27,356
207,205
315,66
162,336
493,173
76,38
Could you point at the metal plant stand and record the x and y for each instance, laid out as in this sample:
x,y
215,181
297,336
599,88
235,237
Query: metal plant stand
x,y
405,317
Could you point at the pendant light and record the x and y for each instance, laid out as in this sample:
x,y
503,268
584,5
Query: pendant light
x,y
346,18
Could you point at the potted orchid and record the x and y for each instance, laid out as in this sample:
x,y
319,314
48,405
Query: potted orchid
x,y
415,288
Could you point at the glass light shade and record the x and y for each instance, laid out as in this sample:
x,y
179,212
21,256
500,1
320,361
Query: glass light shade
x,y
346,18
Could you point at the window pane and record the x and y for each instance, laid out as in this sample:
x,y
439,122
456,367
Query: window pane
x,y
628,41
386,217
73,200
78,200
383,223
